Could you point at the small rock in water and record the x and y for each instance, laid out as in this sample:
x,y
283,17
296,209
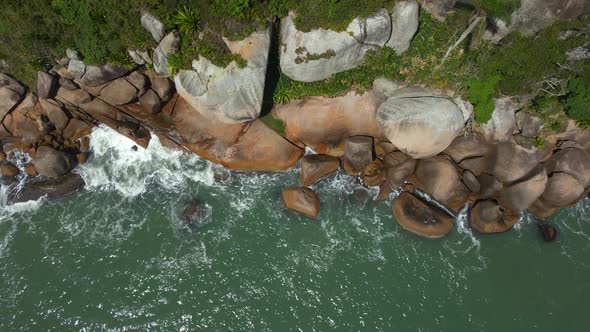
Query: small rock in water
x,y
221,175
549,233
195,213
134,148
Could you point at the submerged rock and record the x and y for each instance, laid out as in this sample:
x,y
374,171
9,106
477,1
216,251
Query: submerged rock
x,y
195,213
53,188
302,200
316,166
417,217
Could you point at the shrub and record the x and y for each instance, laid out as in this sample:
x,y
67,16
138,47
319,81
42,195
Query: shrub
x,y
186,20
577,100
480,95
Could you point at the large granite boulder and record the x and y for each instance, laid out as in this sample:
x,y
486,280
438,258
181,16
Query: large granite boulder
x,y
302,200
419,218
52,163
167,46
320,53
488,217
399,168
439,177
11,92
231,94
467,146
572,161
316,166
503,123
358,153
323,124
23,122
512,161
529,125
562,189
55,113
248,146
420,124
523,194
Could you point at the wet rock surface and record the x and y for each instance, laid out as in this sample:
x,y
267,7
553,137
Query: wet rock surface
x,y
417,217
302,200
34,189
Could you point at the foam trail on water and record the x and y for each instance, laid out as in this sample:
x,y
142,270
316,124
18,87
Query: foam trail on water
x,y
115,165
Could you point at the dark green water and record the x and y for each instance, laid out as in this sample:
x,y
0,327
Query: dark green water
x,y
115,258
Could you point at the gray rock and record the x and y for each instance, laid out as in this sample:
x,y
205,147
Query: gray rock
x,y
52,163
162,86
153,25
119,92
467,146
358,153
138,80
404,25
231,94
579,53
318,54
76,68
502,124
46,85
168,46
530,125
421,127
99,75
572,161
68,84
140,57
11,93
535,15
72,54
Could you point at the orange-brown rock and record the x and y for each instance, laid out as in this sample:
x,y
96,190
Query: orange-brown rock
x,y
316,166
415,216
30,170
302,200
399,168
467,146
385,189
487,216
82,157
324,123
374,173
248,146
542,210
8,170
521,195
358,153
76,129
23,123
562,189
439,177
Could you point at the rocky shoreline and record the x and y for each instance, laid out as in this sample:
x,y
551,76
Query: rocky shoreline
x,y
388,136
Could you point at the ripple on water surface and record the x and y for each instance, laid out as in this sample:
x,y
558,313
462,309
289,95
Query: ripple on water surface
x,y
115,257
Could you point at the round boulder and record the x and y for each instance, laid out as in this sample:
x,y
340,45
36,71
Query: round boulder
x,y
317,166
562,189
52,163
374,173
439,177
488,217
302,200
421,127
8,170
572,161
415,216
358,153
399,168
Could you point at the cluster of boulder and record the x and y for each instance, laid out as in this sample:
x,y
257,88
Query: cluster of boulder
x,y
425,137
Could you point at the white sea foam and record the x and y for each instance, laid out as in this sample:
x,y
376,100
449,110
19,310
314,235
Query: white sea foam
x,y
115,165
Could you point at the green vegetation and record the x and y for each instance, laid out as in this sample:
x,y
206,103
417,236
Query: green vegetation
x,y
577,100
481,94
186,20
539,142
273,123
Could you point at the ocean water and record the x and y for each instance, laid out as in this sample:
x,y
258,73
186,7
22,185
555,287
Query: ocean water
x,y
116,258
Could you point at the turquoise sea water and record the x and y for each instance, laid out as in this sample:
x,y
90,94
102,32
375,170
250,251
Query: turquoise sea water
x,y
116,258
